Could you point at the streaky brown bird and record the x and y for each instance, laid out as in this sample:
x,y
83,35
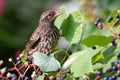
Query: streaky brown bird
x,y
46,35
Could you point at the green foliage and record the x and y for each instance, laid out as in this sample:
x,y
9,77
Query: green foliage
x,y
71,26
99,40
86,60
82,60
40,78
44,61
61,18
108,52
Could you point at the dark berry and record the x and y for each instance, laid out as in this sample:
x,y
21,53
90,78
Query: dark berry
x,y
22,77
19,62
117,16
117,63
105,78
47,53
26,78
113,41
118,55
98,19
96,23
114,68
40,73
117,75
64,75
97,72
119,34
14,77
110,78
58,70
93,47
18,58
6,68
119,19
68,71
26,58
110,19
113,77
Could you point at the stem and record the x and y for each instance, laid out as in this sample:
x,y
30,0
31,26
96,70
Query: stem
x,y
18,71
61,73
117,29
11,69
63,59
106,27
1,76
114,23
61,51
38,69
68,47
13,63
26,70
21,67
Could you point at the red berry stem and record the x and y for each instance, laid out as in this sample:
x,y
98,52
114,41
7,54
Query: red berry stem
x,y
97,77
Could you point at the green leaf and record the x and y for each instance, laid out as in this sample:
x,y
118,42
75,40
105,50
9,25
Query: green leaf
x,y
83,64
98,56
46,63
24,53
80,62
107,53
97,66
104,54
61,18
40,78
108,64
117,50
99,40
72,27
69,78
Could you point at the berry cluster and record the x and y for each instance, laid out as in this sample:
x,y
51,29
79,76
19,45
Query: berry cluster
x,y
21,71
60,75
115,33
114,70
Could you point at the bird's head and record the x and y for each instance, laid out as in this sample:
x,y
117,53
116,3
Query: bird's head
x,y
49,16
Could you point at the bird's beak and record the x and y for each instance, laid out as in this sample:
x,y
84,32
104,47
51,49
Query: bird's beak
x,y
57,14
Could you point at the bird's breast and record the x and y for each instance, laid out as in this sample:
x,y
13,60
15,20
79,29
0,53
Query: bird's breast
x,y
50,37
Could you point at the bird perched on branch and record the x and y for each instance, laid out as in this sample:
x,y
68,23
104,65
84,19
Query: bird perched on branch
x,y
46,35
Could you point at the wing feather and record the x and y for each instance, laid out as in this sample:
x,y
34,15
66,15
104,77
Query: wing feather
x,y
33,39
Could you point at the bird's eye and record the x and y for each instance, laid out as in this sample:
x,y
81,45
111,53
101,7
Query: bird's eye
x,y
50,15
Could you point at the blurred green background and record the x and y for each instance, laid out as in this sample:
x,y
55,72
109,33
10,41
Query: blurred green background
x,y
19,18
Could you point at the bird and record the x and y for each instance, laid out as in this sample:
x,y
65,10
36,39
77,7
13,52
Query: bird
x,y
45,37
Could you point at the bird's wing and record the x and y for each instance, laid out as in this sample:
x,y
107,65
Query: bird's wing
x,y
34,39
